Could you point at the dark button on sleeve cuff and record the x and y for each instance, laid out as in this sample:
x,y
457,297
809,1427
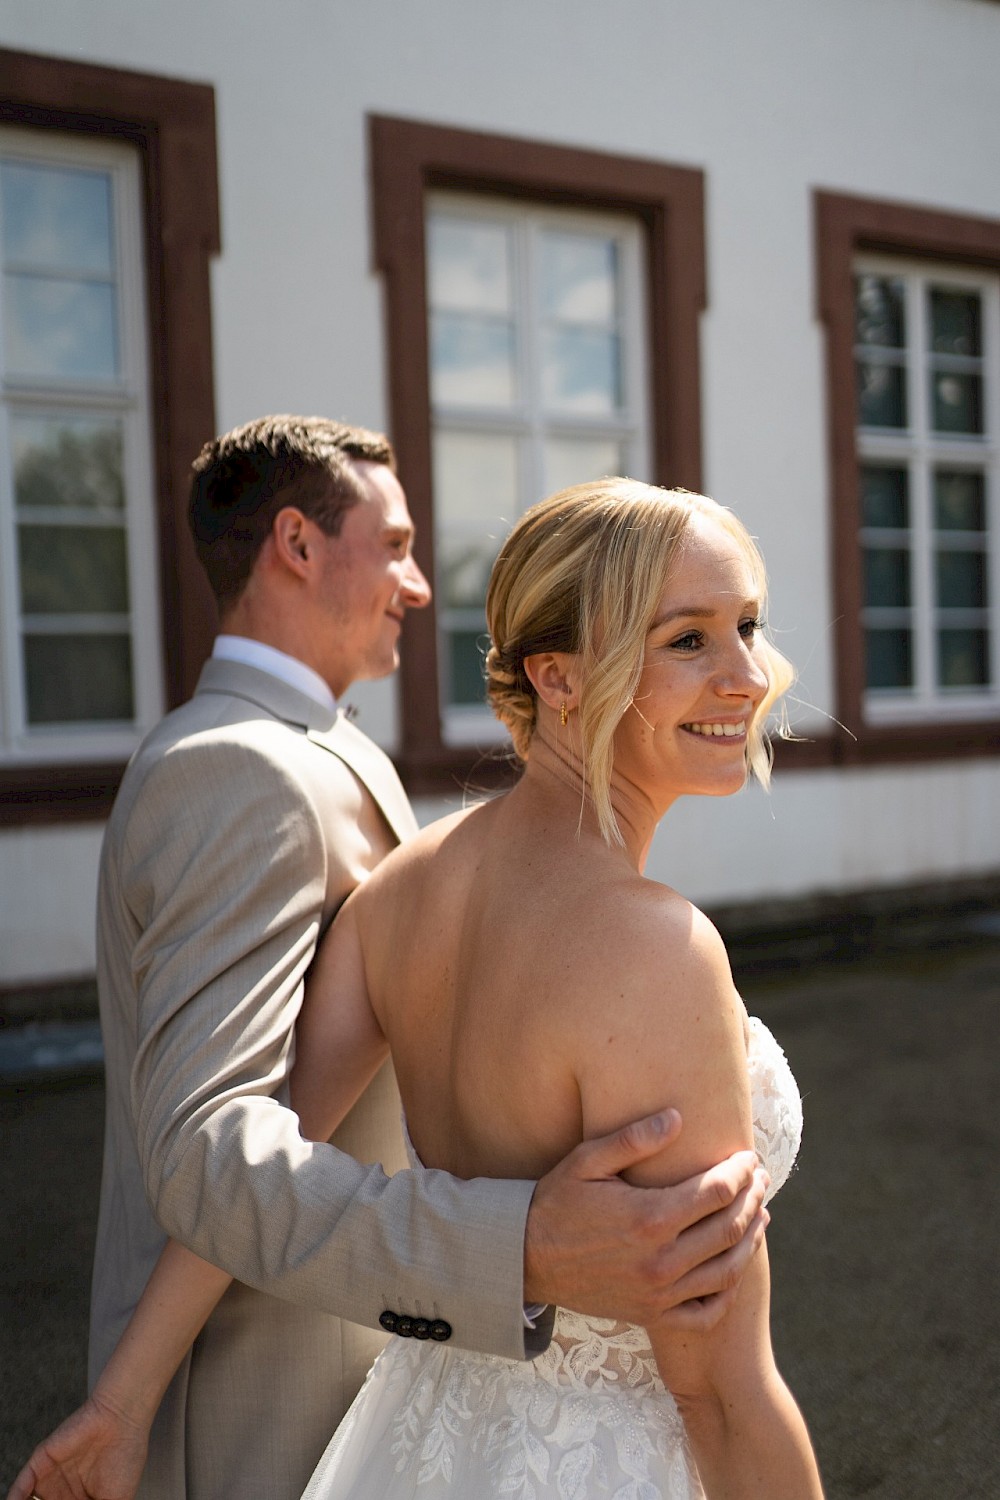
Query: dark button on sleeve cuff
x,y
405,1327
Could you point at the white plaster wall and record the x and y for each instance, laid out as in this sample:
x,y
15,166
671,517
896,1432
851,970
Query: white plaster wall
x,y
770,100
823,831
48,877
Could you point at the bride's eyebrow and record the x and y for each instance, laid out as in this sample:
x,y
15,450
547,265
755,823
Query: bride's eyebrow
x,y
698,612
684,612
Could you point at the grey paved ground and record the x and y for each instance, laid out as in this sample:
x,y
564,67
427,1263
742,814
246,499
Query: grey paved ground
x,y
884,1245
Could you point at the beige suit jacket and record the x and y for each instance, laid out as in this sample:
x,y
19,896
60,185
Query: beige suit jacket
x,y
243,822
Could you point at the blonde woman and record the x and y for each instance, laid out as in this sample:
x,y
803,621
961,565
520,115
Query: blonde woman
x,y
551,993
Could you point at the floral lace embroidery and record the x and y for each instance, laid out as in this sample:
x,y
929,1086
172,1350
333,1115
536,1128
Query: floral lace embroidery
x,y
776,1105
590,1416
533,1430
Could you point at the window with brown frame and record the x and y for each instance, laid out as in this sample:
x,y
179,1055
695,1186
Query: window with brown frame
x,y
108,218
910,300
542,317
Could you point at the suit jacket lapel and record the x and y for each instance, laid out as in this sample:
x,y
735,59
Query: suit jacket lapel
x,y
331,731
374,768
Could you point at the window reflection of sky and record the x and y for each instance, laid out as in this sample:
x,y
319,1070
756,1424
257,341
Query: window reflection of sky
x,y
880,309
63,339
472,360
580,370
59,292
56,328
570,461
57,219
469,266
476,490
527,384
579,278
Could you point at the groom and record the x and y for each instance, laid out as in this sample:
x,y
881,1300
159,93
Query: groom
x,y
242,823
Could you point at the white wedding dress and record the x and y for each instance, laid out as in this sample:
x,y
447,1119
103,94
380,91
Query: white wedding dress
x,y
590,1417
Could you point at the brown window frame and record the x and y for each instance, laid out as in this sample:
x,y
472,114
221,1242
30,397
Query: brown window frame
x,y
172,125
846,226
408,158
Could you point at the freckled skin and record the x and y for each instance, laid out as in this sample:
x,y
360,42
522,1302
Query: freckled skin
x,y
702,666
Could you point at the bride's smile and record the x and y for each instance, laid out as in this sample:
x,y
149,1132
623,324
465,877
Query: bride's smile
x,y
703,678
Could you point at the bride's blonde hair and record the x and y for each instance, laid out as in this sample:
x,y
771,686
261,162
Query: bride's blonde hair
x,y
583,572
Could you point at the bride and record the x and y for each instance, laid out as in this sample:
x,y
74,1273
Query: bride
x,y
550,993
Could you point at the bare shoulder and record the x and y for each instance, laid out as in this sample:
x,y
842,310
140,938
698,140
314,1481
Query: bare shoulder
x,y
423,858
664,1025
659,943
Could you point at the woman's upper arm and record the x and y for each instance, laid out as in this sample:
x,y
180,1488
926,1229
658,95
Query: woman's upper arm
x,y
339,1045
669,1031
684,1044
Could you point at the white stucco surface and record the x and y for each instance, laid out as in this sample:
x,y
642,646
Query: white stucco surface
x,y
48,881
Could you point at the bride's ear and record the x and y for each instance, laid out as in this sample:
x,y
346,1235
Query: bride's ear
x,y
554,676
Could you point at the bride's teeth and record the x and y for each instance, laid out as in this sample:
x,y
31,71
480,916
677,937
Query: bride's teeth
x,y
730,731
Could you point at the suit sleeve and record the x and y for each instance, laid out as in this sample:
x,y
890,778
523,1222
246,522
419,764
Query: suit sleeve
x,y
223,871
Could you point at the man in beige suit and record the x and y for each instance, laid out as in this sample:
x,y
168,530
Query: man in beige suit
x,y
242,823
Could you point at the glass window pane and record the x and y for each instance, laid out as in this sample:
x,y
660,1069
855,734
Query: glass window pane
x,y
73,679
581,370
475,502
957,402
56,218
55,327
68,461
960,580
963,658
889,658
472,361
468,266
959,500
575,460
579,278
887,576
466,651
880,311
956,322
462,567
73,570
885,497
881,395
476,479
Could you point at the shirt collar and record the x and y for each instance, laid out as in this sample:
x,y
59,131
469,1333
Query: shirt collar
x,y
288,669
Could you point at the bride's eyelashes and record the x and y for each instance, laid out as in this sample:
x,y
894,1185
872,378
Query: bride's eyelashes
x,y
692,639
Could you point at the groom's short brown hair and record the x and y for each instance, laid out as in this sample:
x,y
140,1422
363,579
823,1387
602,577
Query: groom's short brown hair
x,y
240,482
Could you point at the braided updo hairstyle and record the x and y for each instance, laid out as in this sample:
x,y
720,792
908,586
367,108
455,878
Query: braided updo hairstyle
x,y
583,572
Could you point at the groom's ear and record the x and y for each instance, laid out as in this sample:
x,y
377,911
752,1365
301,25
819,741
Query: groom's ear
x,y
554,676
293,541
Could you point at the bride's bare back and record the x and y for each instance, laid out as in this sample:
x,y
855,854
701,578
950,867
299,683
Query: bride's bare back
x,y
532,986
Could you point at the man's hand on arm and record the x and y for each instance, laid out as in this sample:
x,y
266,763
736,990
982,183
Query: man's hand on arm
x,y
672,1256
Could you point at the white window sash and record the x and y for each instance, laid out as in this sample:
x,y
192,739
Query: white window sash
x,y
527,421
920,449
127,398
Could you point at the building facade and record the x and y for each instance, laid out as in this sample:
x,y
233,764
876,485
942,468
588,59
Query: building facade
x,y
748,250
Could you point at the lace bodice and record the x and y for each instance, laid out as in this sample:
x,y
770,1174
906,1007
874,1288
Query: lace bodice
x,y
775,1104
588,1417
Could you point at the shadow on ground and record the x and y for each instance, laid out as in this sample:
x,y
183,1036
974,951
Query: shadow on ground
x,y
883,1245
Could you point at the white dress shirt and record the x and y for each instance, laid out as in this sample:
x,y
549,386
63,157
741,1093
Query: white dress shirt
x,y
287,669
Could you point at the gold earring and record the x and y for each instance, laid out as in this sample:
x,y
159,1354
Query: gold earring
x,y
563,714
